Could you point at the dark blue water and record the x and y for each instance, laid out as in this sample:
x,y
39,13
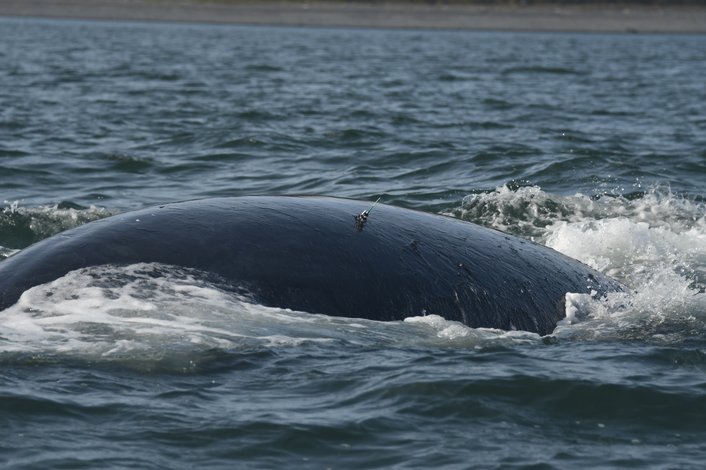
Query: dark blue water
x,y
592,144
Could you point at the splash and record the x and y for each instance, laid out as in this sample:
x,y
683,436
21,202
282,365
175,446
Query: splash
x,y
22,226
144,316
529,211
653,242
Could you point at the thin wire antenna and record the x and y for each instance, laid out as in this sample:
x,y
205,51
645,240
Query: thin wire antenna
x,y
374,204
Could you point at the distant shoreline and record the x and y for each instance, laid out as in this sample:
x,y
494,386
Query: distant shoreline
x,y
626,17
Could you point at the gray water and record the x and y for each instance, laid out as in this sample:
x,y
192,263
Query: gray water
x,y
591,144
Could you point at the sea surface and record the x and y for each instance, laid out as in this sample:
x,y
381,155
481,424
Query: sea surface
x,y
592,144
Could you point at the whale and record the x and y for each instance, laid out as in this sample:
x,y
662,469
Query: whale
x,y
332,256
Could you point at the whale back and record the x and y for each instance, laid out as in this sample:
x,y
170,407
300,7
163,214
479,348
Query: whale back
x,y
308,254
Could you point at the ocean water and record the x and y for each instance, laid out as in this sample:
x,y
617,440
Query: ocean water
x,y
594,145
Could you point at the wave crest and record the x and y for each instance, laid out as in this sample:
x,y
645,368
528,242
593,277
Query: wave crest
x,y
22,226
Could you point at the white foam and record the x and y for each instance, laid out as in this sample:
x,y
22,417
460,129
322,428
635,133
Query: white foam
x,y
655,244
451,333
666,311
664,261
143,311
